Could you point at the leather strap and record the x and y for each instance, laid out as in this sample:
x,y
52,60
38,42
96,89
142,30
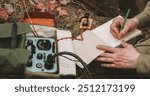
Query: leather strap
x,y
14,36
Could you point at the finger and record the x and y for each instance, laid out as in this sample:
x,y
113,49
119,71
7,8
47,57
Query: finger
x,y
115,25
109,65
124,44
103,59
106,48
108,55
117,22
114,31
123,32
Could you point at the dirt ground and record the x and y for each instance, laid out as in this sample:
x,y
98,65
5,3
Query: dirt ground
x,y
75,12
68,17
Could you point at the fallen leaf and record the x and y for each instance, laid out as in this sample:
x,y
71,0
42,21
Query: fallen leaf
x,y
64,2
52,6
32,3
3,14
9,8
52,1
62,12
20,2
41,6
13,1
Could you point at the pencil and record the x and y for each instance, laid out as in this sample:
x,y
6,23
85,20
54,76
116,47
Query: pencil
x,y
125,19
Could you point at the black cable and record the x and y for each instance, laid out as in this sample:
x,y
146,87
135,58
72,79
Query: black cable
x,y
74,55
69,58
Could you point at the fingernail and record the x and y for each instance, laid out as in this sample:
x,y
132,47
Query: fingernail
x,y
98,46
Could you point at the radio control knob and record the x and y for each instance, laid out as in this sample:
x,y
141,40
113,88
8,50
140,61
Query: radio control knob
x,y
29,64
39,65
39,56
49,64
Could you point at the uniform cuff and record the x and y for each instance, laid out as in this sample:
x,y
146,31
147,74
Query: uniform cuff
x,y
143,65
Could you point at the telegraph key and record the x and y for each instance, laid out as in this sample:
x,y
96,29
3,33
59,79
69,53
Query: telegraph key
x,y
41,50
86,22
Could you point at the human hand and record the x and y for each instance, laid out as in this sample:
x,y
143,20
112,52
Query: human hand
x,y
125,57
129,25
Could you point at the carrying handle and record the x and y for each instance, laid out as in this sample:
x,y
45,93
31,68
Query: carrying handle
x,y
14,36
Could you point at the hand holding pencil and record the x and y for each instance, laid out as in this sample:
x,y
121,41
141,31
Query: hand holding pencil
x,y
122,26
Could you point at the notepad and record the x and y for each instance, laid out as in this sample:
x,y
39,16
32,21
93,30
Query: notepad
x,y
66,67
101,35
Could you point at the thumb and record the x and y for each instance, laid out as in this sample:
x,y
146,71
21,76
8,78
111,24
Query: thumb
x,y
123,32
98,47
124,44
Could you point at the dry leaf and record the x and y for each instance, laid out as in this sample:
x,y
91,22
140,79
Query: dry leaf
x,y
32,3
41,6
62,12
3,14
64,2
13,1
52,6
52,1
9,8
21,3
